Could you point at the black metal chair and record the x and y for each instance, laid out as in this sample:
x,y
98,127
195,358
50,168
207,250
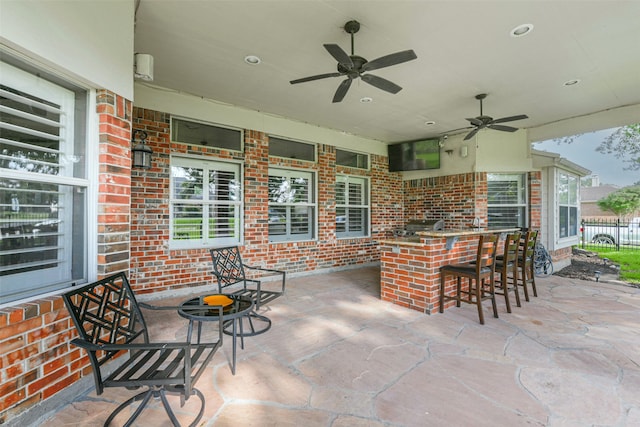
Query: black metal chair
x,y
109,321
230,273
480,276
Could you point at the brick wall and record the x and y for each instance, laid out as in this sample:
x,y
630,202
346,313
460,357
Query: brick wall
x,y
36,359
457,199
155,267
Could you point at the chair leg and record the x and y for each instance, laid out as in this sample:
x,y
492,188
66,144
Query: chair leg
x,y
523,275
492,293
514,277
504,283
145,396
442,278
533,279
459,289
478,293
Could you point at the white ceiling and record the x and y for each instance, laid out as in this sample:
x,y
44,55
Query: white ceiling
x,y
463,48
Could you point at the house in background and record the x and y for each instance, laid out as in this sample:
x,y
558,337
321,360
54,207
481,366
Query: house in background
x,y
589,202
294,194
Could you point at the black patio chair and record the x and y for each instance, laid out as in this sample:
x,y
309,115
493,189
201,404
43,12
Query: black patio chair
x,y
230,273
109,321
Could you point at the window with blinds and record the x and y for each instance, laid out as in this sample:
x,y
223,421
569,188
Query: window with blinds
x,y
292,205
507,200
352,206
206,203
43,184
567,205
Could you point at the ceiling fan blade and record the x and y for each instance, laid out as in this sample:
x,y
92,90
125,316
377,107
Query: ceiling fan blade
x,y
339,55
455,130
502,128
381,83
475,122
471,134
316,77
342,90
511,118
388,60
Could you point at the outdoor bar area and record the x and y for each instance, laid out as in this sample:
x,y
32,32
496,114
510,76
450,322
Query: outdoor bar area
x,y
410,266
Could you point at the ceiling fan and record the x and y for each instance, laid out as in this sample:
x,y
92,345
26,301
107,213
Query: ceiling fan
x,y
483,121
354,66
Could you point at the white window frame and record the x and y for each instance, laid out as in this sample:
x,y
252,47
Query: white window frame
x,y
207,165
310,203
72,266
572,201
521,204
366,206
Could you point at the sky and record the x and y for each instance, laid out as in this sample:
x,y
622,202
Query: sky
x,y
583,152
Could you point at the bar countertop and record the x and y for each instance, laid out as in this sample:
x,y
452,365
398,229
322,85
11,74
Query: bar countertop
x,y
417,240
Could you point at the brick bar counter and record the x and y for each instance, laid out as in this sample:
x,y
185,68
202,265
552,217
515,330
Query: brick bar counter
x,y
410,266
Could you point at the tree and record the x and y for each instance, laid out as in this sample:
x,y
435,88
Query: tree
x,y
622,202
623,143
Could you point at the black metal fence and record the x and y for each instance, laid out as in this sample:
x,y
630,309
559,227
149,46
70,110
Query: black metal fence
x,y
611,234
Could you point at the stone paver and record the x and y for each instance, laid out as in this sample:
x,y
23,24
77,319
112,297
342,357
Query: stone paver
x,y
337,356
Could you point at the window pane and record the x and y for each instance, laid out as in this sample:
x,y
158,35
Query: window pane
x,y
291,149
197,133
187,183
564,221
222,221
351,159
563,189
187,222
277,221
352,219
573,190
42,221
206,202
291,205
573,221
506,216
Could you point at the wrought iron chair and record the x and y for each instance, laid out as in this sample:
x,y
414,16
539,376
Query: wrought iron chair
x,y
480,276
109,321
231,275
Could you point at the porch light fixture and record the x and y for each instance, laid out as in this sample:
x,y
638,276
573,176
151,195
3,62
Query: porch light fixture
x,y
571,82
366,99
141,153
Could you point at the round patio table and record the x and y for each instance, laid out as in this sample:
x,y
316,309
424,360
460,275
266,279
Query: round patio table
x,y
195,310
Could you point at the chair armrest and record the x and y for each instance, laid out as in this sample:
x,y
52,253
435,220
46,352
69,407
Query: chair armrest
x,y
271,270
132,346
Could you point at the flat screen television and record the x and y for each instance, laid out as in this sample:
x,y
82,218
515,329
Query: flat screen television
x,y
414,155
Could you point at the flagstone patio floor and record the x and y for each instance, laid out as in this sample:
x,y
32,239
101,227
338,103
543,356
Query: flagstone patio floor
x,y
338,356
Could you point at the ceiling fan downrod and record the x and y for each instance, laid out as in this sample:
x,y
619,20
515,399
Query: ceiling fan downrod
x,y
352,27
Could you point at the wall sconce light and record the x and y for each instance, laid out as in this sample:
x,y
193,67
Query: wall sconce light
x,y
449,152
464,151
140,152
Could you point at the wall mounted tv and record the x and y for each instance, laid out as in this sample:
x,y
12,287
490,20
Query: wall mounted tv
x,y
414,155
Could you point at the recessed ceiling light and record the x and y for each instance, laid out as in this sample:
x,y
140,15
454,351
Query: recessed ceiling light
x,y
430,123
366,99
252,60
571,82
521,30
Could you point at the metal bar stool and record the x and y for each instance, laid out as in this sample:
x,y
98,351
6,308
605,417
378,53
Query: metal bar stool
x,y
480,276
508,263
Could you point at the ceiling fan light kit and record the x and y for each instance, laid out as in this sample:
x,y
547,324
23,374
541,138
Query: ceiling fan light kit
x,y
354,66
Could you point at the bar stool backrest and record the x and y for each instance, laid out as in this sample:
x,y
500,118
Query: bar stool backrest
x,y
486,252
529,246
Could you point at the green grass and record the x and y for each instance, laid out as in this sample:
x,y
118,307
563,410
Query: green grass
x,y
629,262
